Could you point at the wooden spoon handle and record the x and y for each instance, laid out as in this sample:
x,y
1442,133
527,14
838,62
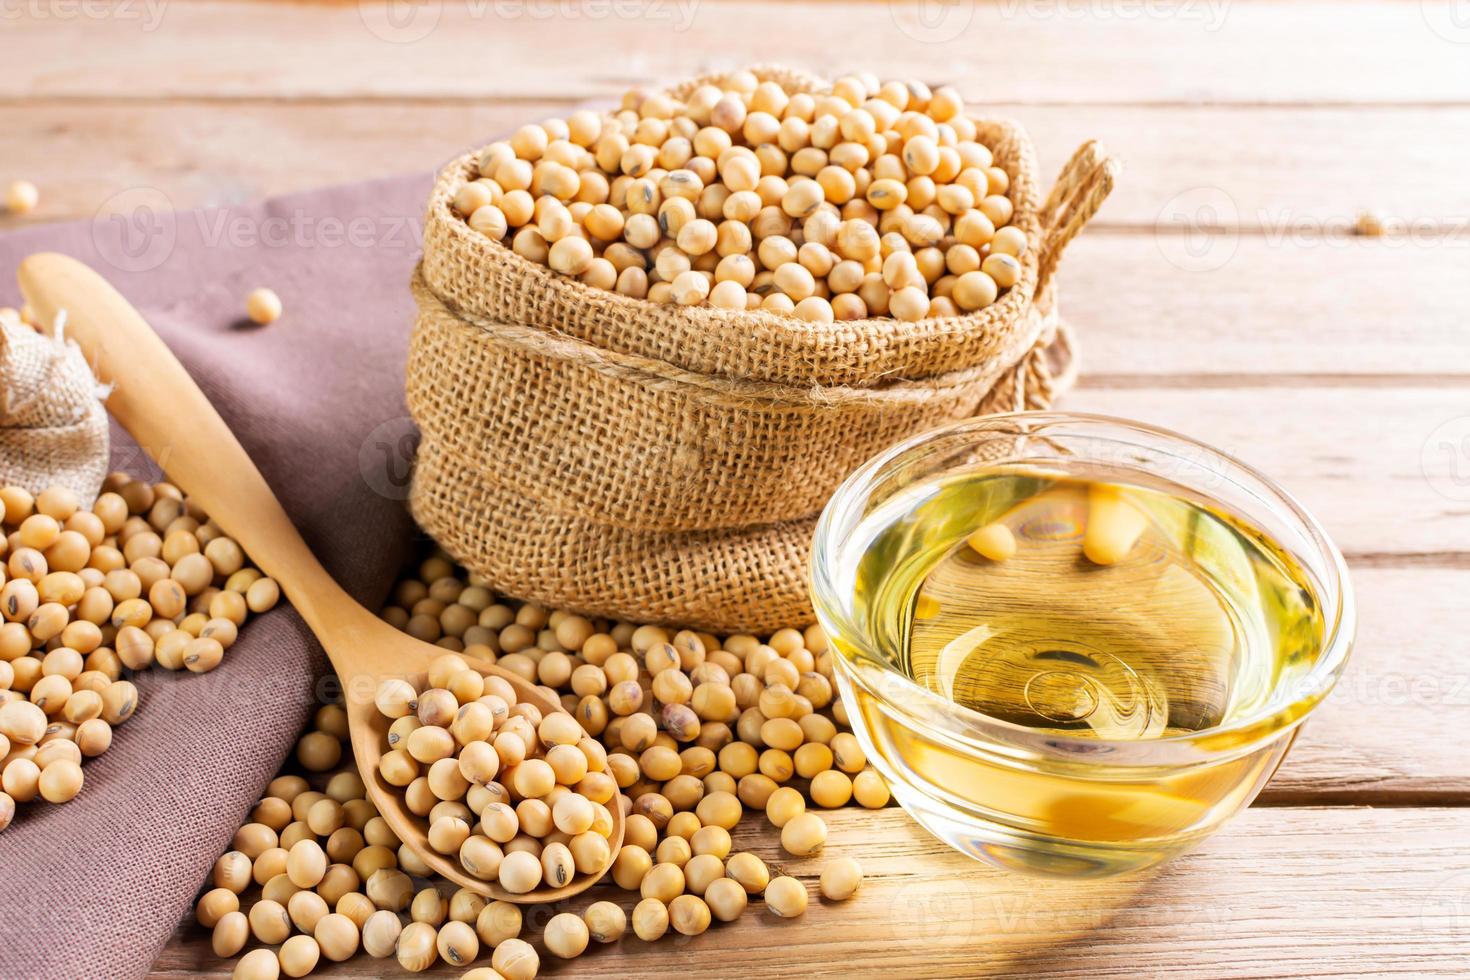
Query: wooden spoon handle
x,y
163,409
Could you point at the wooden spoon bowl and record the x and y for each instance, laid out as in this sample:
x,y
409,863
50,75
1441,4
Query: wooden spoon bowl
x,y
369,730
158,403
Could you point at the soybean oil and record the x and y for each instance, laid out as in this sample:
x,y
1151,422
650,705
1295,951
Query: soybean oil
x,y
1075,604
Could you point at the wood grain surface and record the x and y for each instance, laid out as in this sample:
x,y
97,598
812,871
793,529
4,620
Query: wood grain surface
x,y
1223,291
1298,892
1064,52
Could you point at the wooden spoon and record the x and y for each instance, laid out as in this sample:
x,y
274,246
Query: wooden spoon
x,y
158,403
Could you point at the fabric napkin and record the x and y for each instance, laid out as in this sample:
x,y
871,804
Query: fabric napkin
x,y
95,888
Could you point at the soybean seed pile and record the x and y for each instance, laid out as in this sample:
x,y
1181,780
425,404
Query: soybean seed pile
x,y
875,199
467,732
696,731
89,596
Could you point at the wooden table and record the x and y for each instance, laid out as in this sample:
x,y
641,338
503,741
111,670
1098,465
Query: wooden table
x,y
1222,291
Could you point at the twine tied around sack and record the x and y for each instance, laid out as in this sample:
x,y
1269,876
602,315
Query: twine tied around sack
x,y
725,392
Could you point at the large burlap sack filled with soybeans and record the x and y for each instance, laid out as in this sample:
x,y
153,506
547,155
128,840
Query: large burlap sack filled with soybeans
x,y
601,443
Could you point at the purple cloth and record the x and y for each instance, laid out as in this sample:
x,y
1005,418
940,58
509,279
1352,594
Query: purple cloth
x,y
96,887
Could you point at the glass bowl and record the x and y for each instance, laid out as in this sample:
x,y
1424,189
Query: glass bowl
x,y
1039,800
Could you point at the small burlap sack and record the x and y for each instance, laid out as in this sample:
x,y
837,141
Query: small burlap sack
x,y
53,428
659,463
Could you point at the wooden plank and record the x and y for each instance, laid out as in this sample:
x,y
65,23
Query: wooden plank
x,y
1281,892
1379,467
1280,174
1176,51
1166,309
1380,736
1142,309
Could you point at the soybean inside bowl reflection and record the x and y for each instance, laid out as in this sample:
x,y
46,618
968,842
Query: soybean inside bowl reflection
x,y
1075,645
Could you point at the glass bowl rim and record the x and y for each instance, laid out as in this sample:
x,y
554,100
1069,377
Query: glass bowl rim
x,y
1278,714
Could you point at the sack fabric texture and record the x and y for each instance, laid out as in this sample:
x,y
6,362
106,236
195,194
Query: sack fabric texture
x,y
53,428
659,463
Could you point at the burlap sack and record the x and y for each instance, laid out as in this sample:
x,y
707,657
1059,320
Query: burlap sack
x,y
53,428
615,456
